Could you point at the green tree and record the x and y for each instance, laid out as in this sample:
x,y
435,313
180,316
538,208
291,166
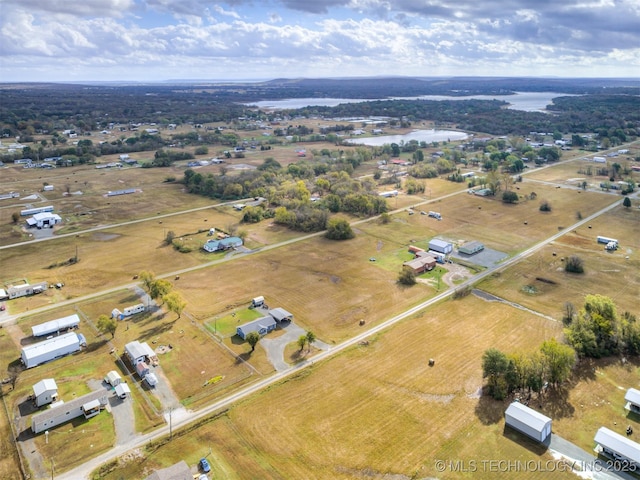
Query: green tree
x,y
595,332
545,206
252,339
626,202
560,360
510,197
407,277
147,278
169,237
311,337
175,303
339,229
494,368
107,325
160,288
302,341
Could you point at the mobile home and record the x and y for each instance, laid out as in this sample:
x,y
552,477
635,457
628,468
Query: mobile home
x,y
51,349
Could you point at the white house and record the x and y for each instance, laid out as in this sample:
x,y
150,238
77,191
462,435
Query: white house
x,y
528,421
45,391
139,352
616,446
632,398
88,405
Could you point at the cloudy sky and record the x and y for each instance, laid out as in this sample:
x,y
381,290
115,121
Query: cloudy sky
x,y
159,40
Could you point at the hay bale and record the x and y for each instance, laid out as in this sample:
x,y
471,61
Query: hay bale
x,y
432,362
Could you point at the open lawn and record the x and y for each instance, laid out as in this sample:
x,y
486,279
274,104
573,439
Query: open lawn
x,y
379,408
9,460
607,273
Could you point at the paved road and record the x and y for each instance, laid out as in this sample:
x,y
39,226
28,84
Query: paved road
x,y
583,463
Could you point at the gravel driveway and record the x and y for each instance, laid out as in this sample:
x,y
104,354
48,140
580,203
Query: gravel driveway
x,y
275,346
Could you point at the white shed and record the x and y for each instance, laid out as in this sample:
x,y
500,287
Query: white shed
x,y
123,391
45,391
632,398
614,445
113,378
528,421
440,246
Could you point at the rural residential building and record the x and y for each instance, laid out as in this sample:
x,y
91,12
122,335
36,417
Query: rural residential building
x,y
440,246
51,349
422,263
32,211
15,291
88,405
528,421
56,326
178,471
617,446
140,352
471,248
262,325
223,244
633,400
281,315
45,392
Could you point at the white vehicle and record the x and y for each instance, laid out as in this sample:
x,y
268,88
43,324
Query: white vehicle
x,y
151,379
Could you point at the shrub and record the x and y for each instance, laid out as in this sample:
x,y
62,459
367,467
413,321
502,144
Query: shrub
x,y
545,206
407,277
574,264
510,197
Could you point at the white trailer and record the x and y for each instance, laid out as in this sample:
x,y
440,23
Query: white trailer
x,y
605,240
56,326
51,349
32,211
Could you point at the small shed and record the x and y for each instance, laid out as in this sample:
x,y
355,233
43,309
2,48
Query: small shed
x,y
113,378
528,421
632,398
616,446
440,246
92,408
257,301
142,369
471,248
262,325
123,391
281,315
45,391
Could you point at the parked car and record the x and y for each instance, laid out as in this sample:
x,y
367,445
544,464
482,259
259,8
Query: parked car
x,y
204,465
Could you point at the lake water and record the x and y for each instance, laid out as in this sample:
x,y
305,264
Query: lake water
x,y
418,135
527,101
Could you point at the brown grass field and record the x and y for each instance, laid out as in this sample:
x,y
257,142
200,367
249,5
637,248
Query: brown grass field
x,y
372,410
607,273
377,409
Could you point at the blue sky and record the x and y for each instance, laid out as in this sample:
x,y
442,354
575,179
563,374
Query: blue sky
x,y
159,40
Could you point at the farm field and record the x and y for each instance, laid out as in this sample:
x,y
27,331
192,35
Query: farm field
x,y
378,407
607,273
573,173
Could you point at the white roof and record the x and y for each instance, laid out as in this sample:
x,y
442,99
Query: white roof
x,y
55,325
136,349
619,444
51,345
633,396
122,389
113,375
527,415
91,404
44,385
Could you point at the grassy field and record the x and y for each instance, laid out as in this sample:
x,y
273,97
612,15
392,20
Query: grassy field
x,y
9,460
614,274
378,408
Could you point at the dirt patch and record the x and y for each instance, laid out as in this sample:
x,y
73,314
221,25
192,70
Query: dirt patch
x,y
162,349
105,237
